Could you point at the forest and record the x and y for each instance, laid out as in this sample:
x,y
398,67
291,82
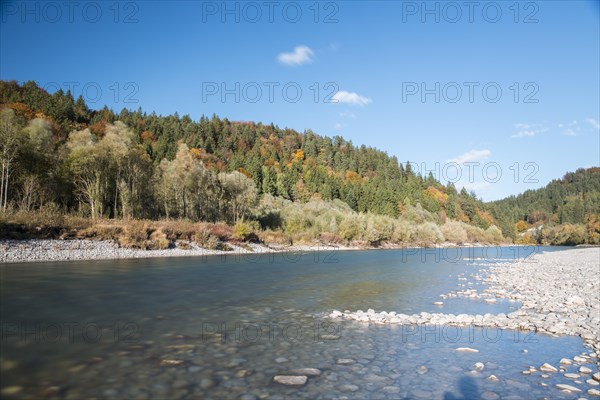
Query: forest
x,y
68,170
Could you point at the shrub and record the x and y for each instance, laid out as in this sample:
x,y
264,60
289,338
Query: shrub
x,y
494,234
135,235
428,233
158,241
327,237
242,231
205,239
403,231
454,232
101,232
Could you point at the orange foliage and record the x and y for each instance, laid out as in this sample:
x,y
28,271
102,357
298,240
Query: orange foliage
x,y
21,109
486,216
148,136
298,155
197,153
352,176
522,226
437,195
245,172
98,128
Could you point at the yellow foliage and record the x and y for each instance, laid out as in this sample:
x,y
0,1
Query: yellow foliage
x,y
298,155
437,195
522,226
352,176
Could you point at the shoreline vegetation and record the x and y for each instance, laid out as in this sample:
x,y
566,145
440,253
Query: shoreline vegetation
x,y
41,236
147,181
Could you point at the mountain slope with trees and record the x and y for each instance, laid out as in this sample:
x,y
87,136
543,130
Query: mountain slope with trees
x,y
57,154
566,211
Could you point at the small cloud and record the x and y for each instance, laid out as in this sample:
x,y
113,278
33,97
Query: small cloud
x,y
338,126
522,126
301,55
528,130
473,155
570,129
348,114
351,98
523,133
593,122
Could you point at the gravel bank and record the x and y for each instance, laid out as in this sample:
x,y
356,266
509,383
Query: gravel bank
x,y
35,250
559,293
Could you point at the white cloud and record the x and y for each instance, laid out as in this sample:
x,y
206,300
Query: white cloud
x,y
348,114
473,155
338,126
351,98
528,130
301,55
593,122
523,133
571,128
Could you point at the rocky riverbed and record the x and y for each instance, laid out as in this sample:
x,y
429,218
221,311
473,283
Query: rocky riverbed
x,y
559,293
35,250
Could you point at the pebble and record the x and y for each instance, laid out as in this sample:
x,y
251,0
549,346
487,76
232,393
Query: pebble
x,y
11,390
348,387
566,361
422,370
170,363
568,388
291,380
492,378
593,392
548,368
345,361
592,382
478,366
207,383
572,376
243,373
391,389
596,376
585,370
489,396
280,360
467,350
307,371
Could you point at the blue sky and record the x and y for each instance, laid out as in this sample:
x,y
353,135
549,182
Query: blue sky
x,y
513,86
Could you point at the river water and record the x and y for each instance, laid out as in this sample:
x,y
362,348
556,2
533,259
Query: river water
x,y
223,326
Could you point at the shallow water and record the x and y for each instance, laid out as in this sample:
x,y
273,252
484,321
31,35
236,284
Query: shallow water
x,y
98,329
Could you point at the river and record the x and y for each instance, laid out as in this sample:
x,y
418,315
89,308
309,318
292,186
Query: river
x,y
223,326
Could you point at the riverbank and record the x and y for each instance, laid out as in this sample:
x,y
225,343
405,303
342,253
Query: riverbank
x,y
559,293
45,250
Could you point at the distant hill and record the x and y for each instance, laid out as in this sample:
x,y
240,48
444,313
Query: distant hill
x,y
572,200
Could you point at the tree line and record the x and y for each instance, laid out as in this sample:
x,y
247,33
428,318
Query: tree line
x,y
57,152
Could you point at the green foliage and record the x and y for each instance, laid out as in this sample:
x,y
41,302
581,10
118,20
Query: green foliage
x,y
132,165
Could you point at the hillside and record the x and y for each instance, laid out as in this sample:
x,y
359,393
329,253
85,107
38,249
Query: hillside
x,y
58,154
566,211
